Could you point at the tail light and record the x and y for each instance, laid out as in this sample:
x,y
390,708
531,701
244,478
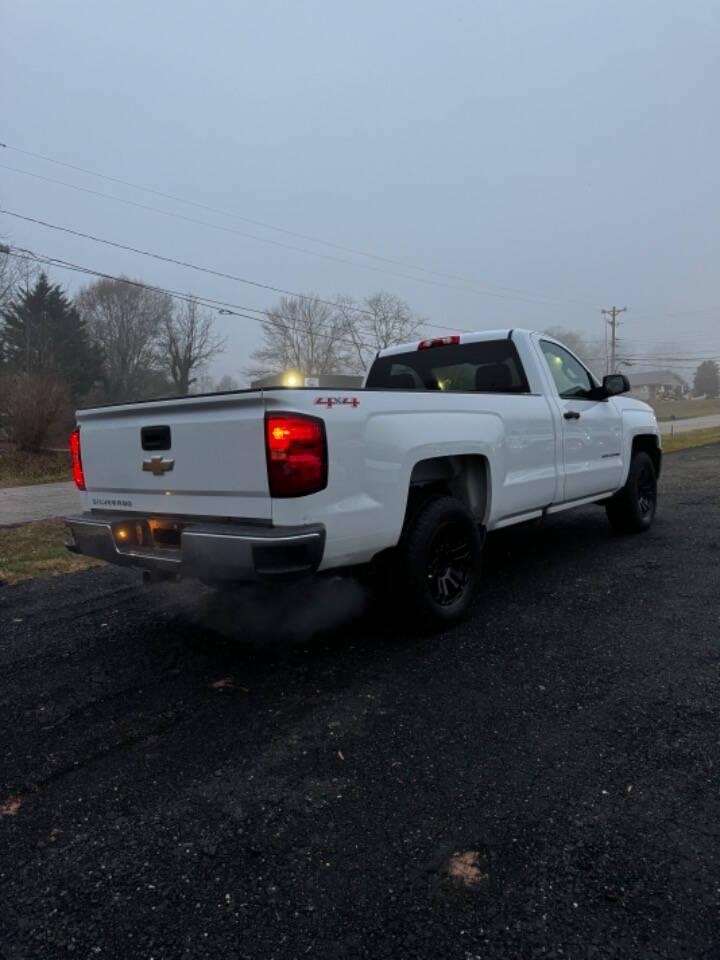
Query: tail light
x,y
78,475
296,454
438,342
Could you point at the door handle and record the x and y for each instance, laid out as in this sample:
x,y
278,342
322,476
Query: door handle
x,y
571,415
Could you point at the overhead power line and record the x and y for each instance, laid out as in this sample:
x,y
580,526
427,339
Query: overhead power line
x,y
524,294
223,307
245,236
679,313
276,243
243,311
208,270
671,341
670,360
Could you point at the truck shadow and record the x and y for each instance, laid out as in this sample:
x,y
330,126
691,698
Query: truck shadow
x,y
286,652
329,612
184,669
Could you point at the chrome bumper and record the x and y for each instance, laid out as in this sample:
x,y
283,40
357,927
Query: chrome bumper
x,y
197,548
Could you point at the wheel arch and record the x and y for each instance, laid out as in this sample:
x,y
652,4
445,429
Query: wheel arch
x,y
463,476
650,444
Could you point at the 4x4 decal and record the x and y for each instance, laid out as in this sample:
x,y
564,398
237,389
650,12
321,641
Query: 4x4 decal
x,y
337,401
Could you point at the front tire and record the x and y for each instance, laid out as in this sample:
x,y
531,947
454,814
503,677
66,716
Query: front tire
x,y
439,563
632,509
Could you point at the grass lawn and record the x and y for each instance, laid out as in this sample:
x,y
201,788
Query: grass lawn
x,y
18,468
683,409
693,438
37,550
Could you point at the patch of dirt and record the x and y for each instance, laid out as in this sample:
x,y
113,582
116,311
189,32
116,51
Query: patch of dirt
x,y
469,868
11,807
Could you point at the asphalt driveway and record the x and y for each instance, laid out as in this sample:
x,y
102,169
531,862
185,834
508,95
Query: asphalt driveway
x,y
184,775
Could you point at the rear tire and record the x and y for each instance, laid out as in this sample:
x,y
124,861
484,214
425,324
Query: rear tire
x,y
632,509
439,562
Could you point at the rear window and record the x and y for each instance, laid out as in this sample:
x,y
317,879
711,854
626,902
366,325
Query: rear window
x,y
490,366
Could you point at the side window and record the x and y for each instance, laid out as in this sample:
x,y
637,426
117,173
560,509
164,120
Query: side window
x,y
570,376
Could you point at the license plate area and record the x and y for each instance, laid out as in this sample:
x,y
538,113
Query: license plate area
x,y
147,534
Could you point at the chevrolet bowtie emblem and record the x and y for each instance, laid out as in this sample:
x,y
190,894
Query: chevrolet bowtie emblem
x,y
158,465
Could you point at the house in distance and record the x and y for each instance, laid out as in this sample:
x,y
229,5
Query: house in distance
x,y
653,385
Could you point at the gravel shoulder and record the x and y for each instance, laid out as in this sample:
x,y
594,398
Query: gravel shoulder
x,y
186,776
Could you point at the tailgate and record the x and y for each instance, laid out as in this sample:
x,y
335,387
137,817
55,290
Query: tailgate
x,y
195,456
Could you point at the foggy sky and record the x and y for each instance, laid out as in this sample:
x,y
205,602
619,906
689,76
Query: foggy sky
x,y
568,150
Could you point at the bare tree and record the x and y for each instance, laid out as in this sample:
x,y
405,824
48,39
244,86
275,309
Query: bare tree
x,y
8,278
15,275
125,319
381,320
204,383
303,334
226,383
186,343
314,337
32,406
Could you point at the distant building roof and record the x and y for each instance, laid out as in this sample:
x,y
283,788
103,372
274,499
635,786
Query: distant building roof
x,y
656,378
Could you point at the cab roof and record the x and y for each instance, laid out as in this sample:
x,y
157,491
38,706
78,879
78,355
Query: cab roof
x,y
475,336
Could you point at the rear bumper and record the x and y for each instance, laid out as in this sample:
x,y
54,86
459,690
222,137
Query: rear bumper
x,y
207,550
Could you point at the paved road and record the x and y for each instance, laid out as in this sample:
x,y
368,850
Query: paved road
x,y
37,502
691,423
186,779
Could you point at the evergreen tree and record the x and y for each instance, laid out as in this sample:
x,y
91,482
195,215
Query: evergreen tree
x,y
43,333
707,379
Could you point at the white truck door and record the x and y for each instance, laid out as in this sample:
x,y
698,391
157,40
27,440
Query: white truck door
x,y
591,429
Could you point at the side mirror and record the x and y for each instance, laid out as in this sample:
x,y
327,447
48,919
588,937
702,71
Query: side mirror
x,y
615,383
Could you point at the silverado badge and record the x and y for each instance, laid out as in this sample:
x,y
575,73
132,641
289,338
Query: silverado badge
x,y
158,465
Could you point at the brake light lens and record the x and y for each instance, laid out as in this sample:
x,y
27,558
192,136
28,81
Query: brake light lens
x,y
438,342
78,475
296,451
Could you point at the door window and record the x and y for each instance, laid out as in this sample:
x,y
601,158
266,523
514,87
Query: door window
x,y
571,378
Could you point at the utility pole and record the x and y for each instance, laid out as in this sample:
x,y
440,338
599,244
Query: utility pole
x,y
613,323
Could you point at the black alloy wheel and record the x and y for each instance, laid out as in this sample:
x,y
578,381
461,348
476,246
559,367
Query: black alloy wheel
x,y
632,509
450,563
646,489
438,563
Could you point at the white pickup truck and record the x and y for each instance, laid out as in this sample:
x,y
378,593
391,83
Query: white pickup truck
x,y
448,438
